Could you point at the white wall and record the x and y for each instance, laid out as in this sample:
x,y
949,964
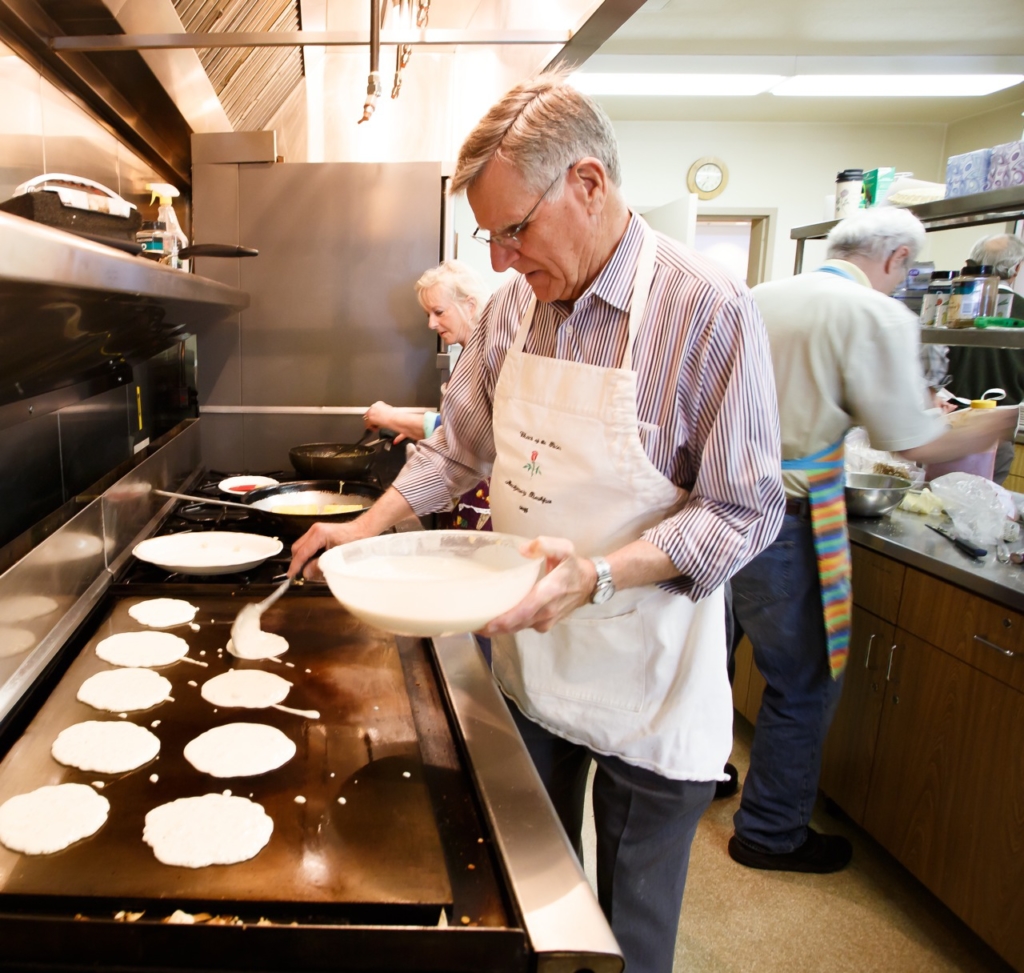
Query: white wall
x,y
788,166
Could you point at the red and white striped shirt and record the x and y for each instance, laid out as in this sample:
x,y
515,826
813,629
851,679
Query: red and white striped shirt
x,y
706,403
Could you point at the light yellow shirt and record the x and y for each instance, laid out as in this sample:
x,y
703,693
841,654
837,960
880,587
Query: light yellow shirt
x,y
843,354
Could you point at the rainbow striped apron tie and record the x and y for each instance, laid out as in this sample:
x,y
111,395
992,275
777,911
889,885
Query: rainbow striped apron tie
x,y
826,477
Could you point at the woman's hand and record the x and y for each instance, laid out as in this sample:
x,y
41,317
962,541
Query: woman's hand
x,y
568,583
379,414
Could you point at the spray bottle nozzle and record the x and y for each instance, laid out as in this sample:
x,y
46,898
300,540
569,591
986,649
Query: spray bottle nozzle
x,y
163,191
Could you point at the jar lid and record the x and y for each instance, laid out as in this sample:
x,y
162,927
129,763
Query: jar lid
x,y
943,274
850,175
154,225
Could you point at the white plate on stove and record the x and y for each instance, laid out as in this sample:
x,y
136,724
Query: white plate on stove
x,y
240,485
208,552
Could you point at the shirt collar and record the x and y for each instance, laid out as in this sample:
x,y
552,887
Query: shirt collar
x,y
614,284
852,269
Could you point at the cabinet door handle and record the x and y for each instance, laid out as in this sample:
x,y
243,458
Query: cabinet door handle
x,y
998,648
867,655
888,668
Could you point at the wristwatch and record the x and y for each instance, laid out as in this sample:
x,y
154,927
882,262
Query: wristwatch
x,y
605,586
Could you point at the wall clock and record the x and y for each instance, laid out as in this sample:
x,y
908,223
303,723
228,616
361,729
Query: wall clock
x,y
707,177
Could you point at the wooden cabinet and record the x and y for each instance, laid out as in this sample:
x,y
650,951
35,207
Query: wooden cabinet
x,y
850,748
926,751
947,788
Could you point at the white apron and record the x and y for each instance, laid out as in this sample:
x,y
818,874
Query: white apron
x,y
643,676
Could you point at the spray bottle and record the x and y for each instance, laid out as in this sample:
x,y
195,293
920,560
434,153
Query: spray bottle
x,y
175,238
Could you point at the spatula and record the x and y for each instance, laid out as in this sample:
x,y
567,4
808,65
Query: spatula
x,y
246,629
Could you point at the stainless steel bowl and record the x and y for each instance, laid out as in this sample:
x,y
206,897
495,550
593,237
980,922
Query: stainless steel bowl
x,y
873,494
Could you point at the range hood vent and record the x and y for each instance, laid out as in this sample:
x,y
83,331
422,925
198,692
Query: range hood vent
x,y
252,83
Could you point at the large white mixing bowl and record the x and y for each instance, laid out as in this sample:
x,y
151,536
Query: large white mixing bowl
x,y
436,582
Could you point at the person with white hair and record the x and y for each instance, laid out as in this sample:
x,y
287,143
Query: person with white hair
x,y
619,393
844,353
973,371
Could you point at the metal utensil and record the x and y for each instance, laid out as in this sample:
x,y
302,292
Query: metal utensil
x,y
186,496
969,549
245,631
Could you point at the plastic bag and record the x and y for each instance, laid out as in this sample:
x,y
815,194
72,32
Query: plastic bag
x,y
982,512
861,458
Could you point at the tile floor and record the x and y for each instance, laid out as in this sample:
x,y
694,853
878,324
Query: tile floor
x,y
873,917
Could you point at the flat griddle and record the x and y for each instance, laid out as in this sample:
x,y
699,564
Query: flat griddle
x,y
377,857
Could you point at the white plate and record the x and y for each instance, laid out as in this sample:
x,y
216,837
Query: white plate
x,y
238,486
210,552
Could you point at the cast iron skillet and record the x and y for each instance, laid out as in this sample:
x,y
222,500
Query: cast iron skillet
x,y
319,492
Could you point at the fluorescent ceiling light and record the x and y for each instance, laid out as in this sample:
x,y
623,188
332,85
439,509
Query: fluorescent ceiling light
x,y
895,85
674,85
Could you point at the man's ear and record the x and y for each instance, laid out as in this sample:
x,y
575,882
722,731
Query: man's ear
x,y
591,176
899,255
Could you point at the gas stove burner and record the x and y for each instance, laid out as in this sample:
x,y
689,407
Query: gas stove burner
x,y
204,513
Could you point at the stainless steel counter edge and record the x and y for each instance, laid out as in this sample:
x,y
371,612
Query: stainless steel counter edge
x,y
906,538
37,254
565,924
74,566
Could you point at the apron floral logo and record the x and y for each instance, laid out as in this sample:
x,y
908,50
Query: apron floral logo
x,y
533,467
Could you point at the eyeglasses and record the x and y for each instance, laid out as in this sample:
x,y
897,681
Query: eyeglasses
x,y
508,238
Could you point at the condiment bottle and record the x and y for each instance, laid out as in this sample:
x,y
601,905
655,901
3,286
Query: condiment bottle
x,y
849,191
933,307
973,295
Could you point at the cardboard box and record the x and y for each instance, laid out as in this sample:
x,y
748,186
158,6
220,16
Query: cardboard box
x,y
967,173
1006,167
877,183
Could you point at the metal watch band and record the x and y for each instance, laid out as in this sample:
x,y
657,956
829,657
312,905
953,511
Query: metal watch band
x,y
604,580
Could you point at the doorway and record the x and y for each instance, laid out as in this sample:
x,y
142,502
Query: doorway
x,y
739,243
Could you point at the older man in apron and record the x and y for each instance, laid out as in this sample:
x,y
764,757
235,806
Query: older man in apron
x,y
618,393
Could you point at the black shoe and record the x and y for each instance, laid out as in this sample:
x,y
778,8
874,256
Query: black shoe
x,y
820,853
726,788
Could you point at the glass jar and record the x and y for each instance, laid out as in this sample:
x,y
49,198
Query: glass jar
x,y
973,295
151,236
934,304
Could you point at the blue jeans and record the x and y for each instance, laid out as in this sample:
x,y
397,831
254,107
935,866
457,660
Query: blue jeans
x,y
645,825
777,601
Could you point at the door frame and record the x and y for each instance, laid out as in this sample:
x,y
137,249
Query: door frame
x,y
762,238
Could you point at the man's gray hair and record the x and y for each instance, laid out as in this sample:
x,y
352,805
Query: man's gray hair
x,y
876,233
1002,250
541,127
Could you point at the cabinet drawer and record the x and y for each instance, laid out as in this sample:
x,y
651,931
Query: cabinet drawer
x,y
877,582
982,633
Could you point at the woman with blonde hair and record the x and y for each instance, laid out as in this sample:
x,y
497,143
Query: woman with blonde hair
x,y
454,297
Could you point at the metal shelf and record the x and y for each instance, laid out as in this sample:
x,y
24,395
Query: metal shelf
x,y
41,256
974,337
997,206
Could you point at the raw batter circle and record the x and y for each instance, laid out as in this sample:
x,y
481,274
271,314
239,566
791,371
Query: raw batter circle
x,y
267,646
124,690
105,747
214,829
239,750
146,649
51,818
163,612
249,688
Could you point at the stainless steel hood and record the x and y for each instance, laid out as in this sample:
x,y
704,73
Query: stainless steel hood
x,y
134,64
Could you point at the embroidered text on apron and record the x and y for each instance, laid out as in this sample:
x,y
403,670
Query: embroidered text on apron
x,y
643,676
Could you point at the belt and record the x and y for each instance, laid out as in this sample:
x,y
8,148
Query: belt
x,y
799,508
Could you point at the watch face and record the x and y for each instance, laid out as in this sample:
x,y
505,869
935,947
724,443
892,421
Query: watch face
x,y
708,177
